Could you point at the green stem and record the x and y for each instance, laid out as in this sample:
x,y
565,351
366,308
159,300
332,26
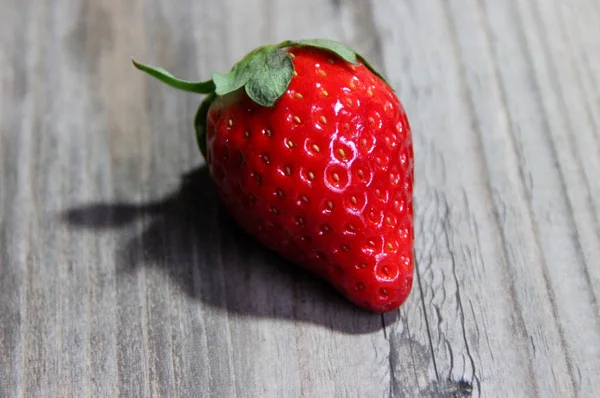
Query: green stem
x,y
206,87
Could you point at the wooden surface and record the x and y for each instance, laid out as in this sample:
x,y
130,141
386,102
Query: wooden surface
x,y
120,275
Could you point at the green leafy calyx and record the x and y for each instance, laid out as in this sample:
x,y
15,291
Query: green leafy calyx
x,y
264,73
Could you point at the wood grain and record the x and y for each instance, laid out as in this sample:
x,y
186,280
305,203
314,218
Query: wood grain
x,y
121,274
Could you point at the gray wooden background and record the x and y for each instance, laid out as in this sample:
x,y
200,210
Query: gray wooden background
x,y
120,275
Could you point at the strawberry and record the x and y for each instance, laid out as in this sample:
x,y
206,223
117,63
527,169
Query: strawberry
x,y
311,152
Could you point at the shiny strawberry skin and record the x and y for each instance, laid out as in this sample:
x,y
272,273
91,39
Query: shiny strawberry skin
x,y
324,177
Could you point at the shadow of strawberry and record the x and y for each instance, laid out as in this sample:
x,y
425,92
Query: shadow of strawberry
x,y
190,236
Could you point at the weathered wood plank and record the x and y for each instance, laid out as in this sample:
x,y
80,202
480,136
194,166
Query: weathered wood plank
x,y
510,180
569,234
514,259
13,234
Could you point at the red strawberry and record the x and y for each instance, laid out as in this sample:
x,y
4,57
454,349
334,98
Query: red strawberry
x,y
311,152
